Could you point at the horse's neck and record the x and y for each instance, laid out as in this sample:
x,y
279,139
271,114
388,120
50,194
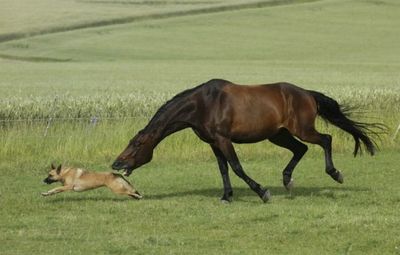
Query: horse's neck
x,y
172,128
170,121
167,129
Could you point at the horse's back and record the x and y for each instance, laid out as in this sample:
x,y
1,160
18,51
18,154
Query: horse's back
x,y
257,112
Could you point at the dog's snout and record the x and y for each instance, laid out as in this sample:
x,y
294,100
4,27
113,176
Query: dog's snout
x,y
48,180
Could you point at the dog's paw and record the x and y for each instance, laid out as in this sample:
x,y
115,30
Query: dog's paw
x,y
45,194
136,195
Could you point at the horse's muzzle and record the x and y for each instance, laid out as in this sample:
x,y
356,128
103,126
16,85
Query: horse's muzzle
x,y
117,165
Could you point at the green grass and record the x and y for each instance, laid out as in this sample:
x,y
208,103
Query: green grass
x,y
29,18
323,45
181,212
110,70
123,73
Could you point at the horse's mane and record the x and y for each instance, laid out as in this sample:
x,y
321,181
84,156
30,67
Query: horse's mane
x,y
174,100
177,99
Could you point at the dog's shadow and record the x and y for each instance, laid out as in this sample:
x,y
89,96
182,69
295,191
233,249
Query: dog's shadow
x,y
86,198
240,194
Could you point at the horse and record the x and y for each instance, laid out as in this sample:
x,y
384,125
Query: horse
x,y
221,113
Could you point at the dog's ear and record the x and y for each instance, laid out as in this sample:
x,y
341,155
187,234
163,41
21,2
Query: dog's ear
x,y
52,166
59,169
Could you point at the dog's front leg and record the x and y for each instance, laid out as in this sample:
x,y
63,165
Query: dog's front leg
x,y
56,190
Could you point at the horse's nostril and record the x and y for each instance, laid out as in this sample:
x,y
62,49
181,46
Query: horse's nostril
x,y
116,165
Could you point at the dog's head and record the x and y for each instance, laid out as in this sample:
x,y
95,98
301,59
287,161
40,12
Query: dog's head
x,y
54,175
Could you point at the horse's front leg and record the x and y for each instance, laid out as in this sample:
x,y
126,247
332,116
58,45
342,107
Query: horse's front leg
x,y
223,167
226,147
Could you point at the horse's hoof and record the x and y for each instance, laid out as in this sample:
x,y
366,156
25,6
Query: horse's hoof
x,y
337,176
266,197
289,185
340,178
225,200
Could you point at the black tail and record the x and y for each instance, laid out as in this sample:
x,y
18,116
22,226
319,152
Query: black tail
x,y
336,114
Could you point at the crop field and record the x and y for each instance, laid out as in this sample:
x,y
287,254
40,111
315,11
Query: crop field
x,y
79,78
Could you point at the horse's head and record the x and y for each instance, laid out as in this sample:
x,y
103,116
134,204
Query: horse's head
x,y
138,152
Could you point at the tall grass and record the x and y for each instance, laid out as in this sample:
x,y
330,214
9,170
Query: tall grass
x,y
111,105
95,128
379,103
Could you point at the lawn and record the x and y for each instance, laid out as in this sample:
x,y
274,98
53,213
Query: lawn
x,y
76,97
26,18
181,213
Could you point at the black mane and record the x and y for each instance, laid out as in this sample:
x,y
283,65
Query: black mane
x,y
177,99
174,100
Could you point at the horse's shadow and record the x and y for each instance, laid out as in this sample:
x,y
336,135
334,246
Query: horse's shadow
x,y
241,193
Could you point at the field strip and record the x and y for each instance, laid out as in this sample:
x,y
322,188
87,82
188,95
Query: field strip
x,y
137,18
33,59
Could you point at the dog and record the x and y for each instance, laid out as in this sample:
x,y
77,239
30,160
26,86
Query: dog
x,y
77,179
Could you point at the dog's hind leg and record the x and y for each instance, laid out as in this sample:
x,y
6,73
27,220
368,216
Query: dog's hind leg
x,y
135,195
122,187
130,191
56,190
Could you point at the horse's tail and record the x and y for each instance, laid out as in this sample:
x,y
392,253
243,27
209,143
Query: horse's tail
x,y
330,110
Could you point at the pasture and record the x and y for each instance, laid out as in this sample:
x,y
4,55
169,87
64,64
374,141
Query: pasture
x,y
76,96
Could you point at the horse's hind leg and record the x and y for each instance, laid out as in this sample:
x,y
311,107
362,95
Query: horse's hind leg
x,y
226,147
286,140
325,141
223,167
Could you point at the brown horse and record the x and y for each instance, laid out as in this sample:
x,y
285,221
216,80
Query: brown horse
x,y
221,113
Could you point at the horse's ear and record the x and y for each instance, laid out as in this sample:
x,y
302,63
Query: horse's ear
x,y
59,169
52,166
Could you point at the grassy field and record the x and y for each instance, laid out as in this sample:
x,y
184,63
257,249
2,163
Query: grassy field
x,y
121,74
20,19
181,212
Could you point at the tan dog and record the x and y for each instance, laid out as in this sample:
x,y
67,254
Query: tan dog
x,y
77,179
